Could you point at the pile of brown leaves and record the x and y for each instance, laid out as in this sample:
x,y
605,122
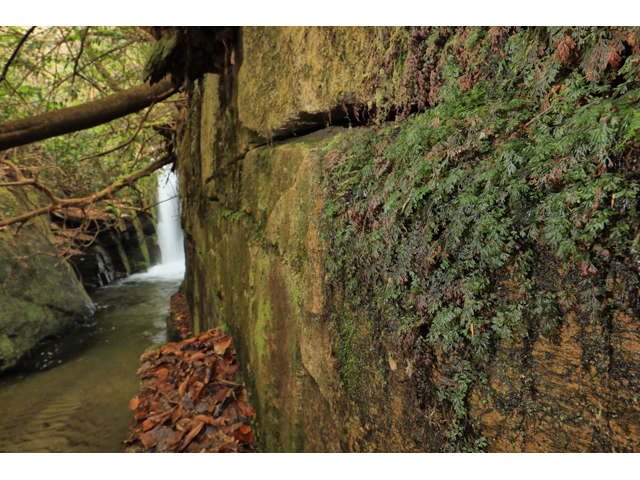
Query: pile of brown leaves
x,y
190,401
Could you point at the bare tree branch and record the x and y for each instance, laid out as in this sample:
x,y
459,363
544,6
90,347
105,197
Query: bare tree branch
x,y
15,53
104,73
60,204
91,61
75,64
122,145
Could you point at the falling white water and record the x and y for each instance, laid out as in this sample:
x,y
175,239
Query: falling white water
x,y
170,235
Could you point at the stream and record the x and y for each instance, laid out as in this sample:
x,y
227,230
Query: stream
x,y
74,393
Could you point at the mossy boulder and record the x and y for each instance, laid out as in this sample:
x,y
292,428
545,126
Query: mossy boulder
x,y
40,294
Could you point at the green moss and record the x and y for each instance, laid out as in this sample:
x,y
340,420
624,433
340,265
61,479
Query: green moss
x,y
261,330
352,365
7,349
161,50
145,253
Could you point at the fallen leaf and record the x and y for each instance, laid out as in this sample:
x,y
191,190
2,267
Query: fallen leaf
x,y
248,410
149,440
162,374
246,438
177,413
169,348
196,356
148,424
221,346
222,394
133,437
133,404
205,336
182,389
198,388
141,414
194,431
207,376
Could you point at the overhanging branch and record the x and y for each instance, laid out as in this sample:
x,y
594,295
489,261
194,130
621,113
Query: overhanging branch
x,y
67,120
60,204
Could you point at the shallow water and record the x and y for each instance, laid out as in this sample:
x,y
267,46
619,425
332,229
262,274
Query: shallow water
x,y
74,396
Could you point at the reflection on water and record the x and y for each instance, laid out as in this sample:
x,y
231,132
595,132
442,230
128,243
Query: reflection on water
x,y
74,396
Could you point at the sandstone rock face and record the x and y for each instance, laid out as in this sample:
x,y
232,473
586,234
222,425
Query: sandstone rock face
x,y
250,214
300,74
319,378
40,295
574,392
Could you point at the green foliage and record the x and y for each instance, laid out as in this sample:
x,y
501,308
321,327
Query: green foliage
x,y
428,220
65,66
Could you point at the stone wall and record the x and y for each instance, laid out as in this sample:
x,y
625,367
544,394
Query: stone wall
x,y
115,249
321,375
250,210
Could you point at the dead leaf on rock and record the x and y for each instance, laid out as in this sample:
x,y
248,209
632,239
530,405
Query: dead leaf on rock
x,y
180,390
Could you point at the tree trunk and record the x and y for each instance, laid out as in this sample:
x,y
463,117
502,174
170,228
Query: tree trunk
x,y
66,120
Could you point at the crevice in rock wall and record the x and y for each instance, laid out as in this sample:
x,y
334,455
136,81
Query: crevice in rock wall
x,y
304,123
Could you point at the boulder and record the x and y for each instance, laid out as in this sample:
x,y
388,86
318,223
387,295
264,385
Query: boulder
x,y
40,294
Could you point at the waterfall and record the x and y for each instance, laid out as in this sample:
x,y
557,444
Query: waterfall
x,y
170,235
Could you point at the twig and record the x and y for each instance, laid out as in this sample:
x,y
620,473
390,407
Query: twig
x,y
75,64
59,204
142,144
95,155
108,52
15,53
16,172
13,89
168,397
539,115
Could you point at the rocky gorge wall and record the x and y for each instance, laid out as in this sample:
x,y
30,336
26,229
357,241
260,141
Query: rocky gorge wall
x,y
461,279
108,249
